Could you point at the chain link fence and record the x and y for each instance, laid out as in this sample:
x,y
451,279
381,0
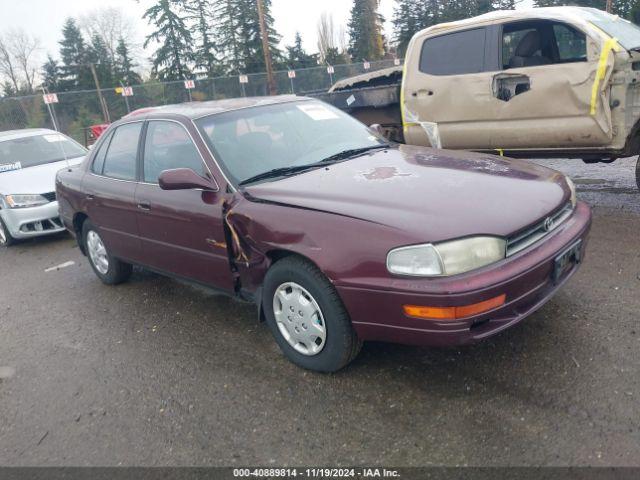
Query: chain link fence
x,y
78,110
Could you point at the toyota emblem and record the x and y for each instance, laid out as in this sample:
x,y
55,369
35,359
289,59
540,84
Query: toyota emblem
x,y
548,224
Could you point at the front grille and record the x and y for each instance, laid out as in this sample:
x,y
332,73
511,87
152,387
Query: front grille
x,y
51,196
537,232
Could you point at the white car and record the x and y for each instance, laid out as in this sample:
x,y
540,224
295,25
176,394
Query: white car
x,y
29,161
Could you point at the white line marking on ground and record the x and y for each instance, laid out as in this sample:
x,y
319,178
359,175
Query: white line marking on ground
x,y
60,267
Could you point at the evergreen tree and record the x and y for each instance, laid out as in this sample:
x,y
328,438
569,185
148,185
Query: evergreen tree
x,y
251,51
51,74
73,52
98,54
227,14
205,59
8,89
172,59
365,31
297,57
124,66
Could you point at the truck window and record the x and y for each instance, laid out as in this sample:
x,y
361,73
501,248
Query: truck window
x,y
572,45
535,43
455,53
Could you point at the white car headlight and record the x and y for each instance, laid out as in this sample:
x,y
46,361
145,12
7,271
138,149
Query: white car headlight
x,y
448,258
572,187
25,201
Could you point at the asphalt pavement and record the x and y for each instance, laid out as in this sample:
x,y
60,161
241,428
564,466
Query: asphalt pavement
x,y
158,373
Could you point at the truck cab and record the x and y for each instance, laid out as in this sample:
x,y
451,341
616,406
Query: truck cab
x,y
545,82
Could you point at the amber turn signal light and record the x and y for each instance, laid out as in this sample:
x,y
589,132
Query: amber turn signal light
x,y
454,313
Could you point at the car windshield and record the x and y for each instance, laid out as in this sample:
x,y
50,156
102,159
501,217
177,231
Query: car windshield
x,y
627,33
253,141
25,152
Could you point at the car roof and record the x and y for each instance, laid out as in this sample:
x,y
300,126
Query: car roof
x,y
195,110
26,132
569,14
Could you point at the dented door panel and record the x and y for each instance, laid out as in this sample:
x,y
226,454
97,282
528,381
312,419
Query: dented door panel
x,y
553,110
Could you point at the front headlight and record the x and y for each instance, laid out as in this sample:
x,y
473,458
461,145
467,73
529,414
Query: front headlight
x,y
572,187
448,258
25,201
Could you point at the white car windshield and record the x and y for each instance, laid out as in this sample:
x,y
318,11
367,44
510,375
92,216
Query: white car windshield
x,y
30,151
253,141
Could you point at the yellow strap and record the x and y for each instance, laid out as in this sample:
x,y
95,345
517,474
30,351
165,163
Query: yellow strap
x,y
609,45
402,86
500,151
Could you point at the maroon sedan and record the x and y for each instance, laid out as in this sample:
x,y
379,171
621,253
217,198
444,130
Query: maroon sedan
x,y
336,235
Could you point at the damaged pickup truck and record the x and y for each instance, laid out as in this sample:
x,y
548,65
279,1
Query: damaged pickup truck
x,y
558,82
336,235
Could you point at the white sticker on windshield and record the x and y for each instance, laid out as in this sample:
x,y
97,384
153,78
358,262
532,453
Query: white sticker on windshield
x,y
8,167
318,112
54,138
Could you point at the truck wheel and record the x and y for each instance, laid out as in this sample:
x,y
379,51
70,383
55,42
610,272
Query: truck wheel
x,y
6,240
108,268
307,317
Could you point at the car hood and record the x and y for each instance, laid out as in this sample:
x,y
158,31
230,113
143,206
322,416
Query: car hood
x,y
433,194
38,179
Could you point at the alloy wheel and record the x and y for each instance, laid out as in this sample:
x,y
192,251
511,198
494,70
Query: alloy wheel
x,y
97,252
299,319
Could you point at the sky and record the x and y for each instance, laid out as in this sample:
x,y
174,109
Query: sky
x,y
44,18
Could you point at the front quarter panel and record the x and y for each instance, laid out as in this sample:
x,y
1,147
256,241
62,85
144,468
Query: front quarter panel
x,y
348,250
69,194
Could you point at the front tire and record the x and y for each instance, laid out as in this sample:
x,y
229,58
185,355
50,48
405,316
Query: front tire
x,y
109,269
6,240
307,317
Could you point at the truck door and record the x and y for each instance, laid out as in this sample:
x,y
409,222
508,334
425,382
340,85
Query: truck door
x,y
544,92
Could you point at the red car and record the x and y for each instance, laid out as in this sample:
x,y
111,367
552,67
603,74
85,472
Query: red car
x,y
336,235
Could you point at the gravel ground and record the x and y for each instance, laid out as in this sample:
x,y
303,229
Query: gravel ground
x,y
156,372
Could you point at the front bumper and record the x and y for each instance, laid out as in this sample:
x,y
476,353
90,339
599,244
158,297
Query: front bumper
x,y
526,278
31,222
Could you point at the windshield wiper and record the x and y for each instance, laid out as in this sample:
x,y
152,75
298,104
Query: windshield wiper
x,y
354,152
278,172
288,171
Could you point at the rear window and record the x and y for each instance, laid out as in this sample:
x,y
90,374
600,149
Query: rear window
x,y
455,53
37,150
120,161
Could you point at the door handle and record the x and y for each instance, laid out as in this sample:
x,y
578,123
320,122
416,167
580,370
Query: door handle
x,y
144,206
423,93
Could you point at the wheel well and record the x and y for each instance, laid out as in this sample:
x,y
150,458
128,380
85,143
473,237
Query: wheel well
x,y
275,256
78,221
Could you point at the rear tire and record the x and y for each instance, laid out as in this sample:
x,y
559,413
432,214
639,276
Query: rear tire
x,y
307,317
6,240
109,269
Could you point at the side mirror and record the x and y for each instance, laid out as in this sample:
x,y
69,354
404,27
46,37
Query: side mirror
x,y
185,179
377,129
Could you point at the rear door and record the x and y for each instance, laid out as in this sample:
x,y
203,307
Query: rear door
x,y
447,89
110,189
182,232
